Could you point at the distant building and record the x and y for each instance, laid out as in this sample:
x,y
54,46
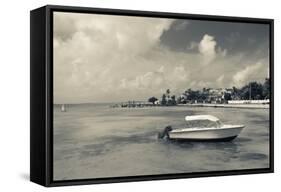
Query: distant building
x,y
219,95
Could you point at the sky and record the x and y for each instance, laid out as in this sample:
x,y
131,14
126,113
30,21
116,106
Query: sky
x,y
103,58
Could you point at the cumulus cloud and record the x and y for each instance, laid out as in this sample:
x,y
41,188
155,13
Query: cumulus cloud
x,y
247,74
156,81
207,47
93,57
148,80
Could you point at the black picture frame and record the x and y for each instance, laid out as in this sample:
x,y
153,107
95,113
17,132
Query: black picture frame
x,y
41,94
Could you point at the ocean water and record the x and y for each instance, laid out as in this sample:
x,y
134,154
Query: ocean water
x,y
96,141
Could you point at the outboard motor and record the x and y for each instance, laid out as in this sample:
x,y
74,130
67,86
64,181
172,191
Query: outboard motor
x,y
165,132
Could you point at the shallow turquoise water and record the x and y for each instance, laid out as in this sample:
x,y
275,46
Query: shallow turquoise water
x,y
94,141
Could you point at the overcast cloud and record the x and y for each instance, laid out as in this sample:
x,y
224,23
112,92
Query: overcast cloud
x,y
99,58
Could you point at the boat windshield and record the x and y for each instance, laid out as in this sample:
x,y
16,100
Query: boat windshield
x,y
203,123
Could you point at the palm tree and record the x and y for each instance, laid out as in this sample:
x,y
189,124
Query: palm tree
x,y
168,93
164,100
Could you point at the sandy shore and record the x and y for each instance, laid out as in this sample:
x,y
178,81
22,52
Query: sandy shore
x,y
246,106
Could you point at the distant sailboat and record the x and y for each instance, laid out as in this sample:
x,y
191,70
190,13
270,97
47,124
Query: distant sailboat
x,y
63,108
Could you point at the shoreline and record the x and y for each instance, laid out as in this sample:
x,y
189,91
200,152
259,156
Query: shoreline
x,y
240,106
243,106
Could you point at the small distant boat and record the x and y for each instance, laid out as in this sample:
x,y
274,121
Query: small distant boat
x,y
63,108
214,131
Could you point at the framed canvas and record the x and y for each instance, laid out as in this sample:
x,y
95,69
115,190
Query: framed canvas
x,y
120,95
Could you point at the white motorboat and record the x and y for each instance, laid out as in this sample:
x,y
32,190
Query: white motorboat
x,y
211,130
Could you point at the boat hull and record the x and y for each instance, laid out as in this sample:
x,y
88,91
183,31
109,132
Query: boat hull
x,y
205,140
216,134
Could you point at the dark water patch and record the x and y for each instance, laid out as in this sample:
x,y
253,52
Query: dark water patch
x,y
235,156
253,156
65,153
109,144
181,143
67,140
93,146
131,138
242,140
68,157
62,138
260,122
122,119
169,113
223,159
225,147
68,151
95,150
265,134
261,135
257,117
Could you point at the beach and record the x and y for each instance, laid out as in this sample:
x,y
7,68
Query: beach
x,y
242,106
96,141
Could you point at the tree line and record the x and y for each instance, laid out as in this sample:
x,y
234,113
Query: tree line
x,y
251,91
